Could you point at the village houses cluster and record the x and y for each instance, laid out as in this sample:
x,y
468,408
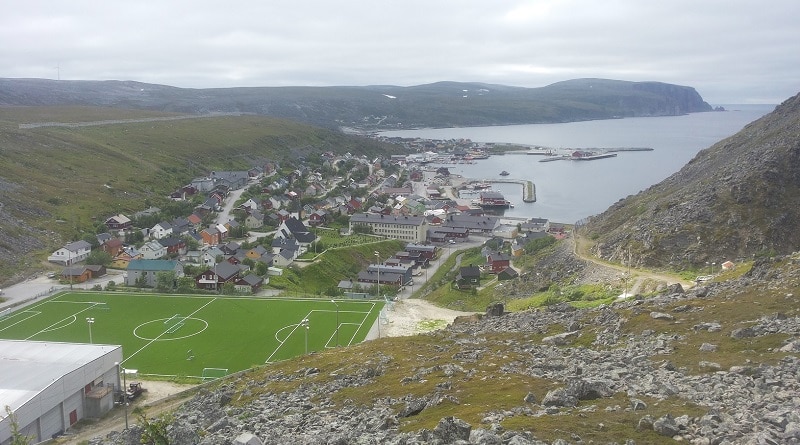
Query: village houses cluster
x,y
390,209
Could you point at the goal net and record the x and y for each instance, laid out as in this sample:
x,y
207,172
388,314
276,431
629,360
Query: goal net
x,y
214,373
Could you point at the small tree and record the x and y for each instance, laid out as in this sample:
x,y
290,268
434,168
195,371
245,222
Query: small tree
x,y
228,288
99,257
165,280
17,438
154,432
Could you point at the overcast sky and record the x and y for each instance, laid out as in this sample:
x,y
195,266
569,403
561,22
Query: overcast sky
x,y
731,51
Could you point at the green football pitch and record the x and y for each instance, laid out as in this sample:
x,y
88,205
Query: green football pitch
x,y
194,336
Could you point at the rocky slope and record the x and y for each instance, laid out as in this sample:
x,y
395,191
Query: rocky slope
x,y
442,104
738,199
719,364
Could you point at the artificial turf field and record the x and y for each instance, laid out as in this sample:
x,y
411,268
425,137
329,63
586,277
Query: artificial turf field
x,y
184,335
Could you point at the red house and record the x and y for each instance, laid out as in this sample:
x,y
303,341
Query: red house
x,y
112,247
497,262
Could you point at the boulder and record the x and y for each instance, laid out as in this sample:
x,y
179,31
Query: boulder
x,y
247,439
589,389
413,407
661,316
495,310
562,339
747,332
674,289
451,429
708,347
559,397
666,426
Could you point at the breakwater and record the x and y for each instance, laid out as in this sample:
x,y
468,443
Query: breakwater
x,y
528,187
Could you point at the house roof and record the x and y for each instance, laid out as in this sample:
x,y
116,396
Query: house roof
x,y
509,272
226,270
74,271
153,265
285,243
365,218
77,246
492,257
250,280
113,242
119,219
259,250
345,284
470,272
164,225
171,241
299,230
388,277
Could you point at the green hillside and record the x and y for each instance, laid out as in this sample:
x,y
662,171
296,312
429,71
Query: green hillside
x,y
58,182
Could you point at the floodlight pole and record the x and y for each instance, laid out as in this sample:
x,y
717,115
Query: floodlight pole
x,y
304,323
337,322
90,321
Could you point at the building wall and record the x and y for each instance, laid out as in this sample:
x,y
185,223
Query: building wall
x,y
59,406
403,232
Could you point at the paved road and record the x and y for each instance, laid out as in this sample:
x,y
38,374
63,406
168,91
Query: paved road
x,y
32,290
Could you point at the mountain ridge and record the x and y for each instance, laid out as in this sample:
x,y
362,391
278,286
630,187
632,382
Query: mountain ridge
x,y
439,104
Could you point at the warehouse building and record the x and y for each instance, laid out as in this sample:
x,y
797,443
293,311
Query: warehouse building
x,y
49,386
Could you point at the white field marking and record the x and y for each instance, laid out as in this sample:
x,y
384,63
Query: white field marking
x,y
333,335
363,320
352,338
32,314
171,338
294,328
58,323
163,333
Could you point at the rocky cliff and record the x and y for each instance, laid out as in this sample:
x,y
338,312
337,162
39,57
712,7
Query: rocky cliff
x,y
738,199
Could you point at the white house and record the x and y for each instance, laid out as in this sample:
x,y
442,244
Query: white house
x,y
250,204
153,250
161,230
72,253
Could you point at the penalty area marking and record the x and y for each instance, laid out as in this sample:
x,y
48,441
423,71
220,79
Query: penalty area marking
x,y
162,321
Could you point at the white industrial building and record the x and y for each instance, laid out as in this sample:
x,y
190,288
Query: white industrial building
x,y
49,386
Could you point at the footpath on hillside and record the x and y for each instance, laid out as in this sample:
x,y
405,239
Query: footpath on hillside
x,y
580,248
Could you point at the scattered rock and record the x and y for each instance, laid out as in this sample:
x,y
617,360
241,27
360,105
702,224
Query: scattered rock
x,y
247,439
562,339
708,347
661,316
666,426
495,310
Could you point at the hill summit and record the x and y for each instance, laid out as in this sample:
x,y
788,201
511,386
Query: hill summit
x,y
738,199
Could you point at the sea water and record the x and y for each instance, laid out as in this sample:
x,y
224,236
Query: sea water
x,y
567,191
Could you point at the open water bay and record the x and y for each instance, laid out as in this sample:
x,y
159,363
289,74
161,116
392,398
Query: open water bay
x,y
567,191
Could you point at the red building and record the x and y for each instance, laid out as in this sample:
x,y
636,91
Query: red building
x,y
497,262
